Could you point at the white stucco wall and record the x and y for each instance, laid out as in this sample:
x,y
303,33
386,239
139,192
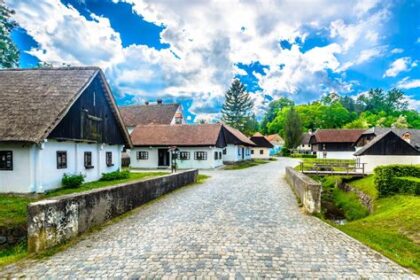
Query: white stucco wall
x,y
234,153
336,155
152,161
35,166
372,161
257,153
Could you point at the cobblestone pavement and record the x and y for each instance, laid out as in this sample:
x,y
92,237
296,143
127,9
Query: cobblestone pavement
x,y
242,224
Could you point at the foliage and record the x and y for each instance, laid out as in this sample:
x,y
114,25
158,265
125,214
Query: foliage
x,y
392,229
11,254
273,108
349,203
72,181
251,125
377,100
9,53
285,152
366,185
401,122
236,110
303,156
410,185
385,178
116,175
292,129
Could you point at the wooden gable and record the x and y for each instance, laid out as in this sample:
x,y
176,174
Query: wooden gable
x,y
391,144
90,118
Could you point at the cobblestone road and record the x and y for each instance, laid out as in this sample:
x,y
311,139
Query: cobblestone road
x,y
239,224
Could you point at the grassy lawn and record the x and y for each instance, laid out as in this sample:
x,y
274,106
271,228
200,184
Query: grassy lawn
x,y
309,163
393,229
245,164
366,185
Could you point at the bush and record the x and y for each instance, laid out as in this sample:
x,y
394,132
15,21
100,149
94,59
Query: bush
x,y
386,182
285,152
72,181
116,175
410,185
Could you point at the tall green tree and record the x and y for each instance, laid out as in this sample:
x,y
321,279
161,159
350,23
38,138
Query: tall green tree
x,y
9,53
238,105
293,129
251,126
273,108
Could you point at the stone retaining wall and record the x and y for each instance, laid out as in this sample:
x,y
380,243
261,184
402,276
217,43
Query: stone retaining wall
x,y
53,221
12,235
306,189
366,200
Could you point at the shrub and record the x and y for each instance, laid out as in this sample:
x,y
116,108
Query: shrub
x,y
285,152
72,181
409,185
116,175
385,178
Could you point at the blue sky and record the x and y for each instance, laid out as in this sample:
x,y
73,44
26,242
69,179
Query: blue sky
x,y
189,52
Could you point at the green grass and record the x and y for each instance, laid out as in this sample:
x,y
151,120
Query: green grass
x,y
366,185
13,254
414,179
245,164
393,229
202,178
308,163
349,203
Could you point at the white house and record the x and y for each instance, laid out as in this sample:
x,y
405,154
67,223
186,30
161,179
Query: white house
x,y
159,113
57,121
262,147
238,146
384,146
305,146
335,143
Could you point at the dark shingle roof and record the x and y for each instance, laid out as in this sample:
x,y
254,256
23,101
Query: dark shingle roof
x,y
176,135
239,135
261,141
337,135
306,137
34,101
415,133
148,114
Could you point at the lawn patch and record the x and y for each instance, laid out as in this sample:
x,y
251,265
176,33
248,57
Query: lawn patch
x,y
245,164
366,185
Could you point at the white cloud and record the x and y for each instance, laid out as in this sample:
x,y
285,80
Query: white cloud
x,y
402,64
210,37
406,83
397,50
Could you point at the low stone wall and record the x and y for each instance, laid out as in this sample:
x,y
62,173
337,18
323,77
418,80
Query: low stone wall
x,y
51,222
366,200
12,235
307,190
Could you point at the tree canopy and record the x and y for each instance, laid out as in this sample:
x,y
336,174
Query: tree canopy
x,y
9,53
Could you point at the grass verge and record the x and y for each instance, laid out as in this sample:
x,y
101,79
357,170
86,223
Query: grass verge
x,y
366,185
245,164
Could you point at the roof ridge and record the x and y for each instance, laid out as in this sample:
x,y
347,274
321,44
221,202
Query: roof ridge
x,y
53,68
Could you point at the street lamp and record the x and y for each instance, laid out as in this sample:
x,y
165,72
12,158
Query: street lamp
x,y
174,152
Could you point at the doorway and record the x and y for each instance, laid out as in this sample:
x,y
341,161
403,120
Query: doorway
x,y
163,157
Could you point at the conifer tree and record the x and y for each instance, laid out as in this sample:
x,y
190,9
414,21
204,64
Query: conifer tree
x,y
237,108
9,54
293,130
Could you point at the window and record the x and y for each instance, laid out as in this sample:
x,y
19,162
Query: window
x,y
224,151
142,155
88,160
200,155
6,160
239,151
252,152
108,159
61,159
261,152
184,155
220,155
216,155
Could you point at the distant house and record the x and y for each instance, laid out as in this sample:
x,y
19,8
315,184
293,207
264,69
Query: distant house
x,y
158,113
238,146
305,146
57,121
383,146
335,143
201,146
262,147
277,143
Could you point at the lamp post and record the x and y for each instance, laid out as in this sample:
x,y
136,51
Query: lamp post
x,y
174,156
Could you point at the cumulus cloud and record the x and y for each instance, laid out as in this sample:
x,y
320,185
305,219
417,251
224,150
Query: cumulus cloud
x,y
402,64
406,83
207,39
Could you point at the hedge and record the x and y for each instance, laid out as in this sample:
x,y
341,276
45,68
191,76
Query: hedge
x,y
386,178
409,185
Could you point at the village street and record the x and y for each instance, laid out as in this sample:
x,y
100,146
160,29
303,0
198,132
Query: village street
x,y
238,224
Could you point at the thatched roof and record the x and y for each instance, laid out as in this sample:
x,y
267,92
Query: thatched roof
x,y
177,135
34,101
148,114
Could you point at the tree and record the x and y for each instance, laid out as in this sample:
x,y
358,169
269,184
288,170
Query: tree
x,y
377,100
9,53
274,107
238,105
401,122
293,130
251,125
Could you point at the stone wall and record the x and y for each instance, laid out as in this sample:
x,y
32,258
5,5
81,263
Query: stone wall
x,y
12,235
306,189
366,200
51,222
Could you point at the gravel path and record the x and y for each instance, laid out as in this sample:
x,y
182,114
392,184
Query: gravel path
x,y
239,224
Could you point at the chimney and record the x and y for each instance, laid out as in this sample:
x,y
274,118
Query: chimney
x,y
159,101
146,103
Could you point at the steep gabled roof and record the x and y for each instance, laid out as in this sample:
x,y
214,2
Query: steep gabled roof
x,y
148,114
261,142
336,135
306,137
178,135
274,138
239,137
390,134
34,101
378,131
